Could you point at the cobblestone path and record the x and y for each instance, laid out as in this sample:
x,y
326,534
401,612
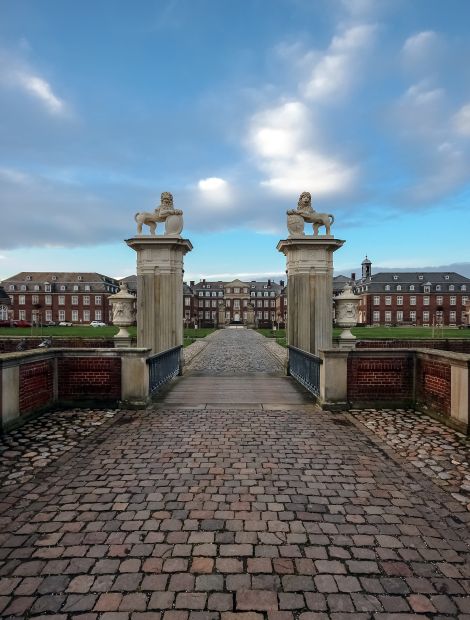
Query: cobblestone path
x,y
438,451
204,514
236,352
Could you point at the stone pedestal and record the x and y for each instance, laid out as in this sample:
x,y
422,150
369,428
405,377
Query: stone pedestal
x,y
310,290
159,290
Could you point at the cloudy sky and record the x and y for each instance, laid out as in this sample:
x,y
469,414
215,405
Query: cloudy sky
x,y
236,108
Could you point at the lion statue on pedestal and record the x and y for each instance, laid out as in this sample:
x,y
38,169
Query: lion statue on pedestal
x,y
172,217
305,213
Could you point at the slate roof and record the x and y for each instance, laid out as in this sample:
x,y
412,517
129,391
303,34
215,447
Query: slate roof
x,y
416,279
4,298
98,281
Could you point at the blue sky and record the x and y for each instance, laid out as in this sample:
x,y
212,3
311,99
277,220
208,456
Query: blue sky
x,y
236,108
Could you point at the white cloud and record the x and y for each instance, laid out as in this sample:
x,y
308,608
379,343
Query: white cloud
x,y
419,94
212,184
280,139
17,74
418,46
39,88
461,120
215,192
335,71
14,176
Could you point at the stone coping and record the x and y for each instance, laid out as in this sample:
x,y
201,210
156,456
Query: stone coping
x,y
463,358
25,357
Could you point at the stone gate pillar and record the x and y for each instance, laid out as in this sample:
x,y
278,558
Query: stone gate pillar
x,y
160,281
310,280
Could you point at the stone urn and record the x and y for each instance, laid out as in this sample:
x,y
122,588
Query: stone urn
x,y
346,305
123,314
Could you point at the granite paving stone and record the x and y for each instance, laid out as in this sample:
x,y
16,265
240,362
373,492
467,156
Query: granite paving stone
x,y
439,452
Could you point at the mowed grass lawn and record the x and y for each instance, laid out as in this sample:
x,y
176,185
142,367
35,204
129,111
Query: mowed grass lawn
x,y
398,333
86,332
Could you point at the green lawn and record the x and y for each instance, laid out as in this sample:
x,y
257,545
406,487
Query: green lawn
x,y
398,333
86,332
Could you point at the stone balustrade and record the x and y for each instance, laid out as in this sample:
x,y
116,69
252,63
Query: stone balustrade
x,y
38,380
428,380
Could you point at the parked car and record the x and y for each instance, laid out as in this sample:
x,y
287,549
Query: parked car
x,y
21,323
97,324
5,324
49,324
65,324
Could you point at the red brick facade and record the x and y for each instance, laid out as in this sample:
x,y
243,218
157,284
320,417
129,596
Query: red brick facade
x,y
89,378
433,385
36,385
380,378
77,298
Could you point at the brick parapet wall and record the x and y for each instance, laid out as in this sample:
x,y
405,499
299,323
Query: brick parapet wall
x,y
36,385
89,378
377,377
31,381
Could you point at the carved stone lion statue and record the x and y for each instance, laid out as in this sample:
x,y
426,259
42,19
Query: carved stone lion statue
x,y
172,217
305,213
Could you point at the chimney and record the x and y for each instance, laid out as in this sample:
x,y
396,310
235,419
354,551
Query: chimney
x,y
353,276
269,282
203,280
191,283
281,282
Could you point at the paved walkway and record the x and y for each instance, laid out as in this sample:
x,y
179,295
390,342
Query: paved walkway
x,y
285,513
213,512
238,352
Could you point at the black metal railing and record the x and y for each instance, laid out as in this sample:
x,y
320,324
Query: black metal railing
x,y
305,368
163,367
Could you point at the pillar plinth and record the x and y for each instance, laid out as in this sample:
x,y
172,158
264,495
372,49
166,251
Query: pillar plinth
x,y
159,290
310,291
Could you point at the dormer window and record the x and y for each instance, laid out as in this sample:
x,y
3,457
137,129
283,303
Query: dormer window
x,y
79,278
446,277
412,287
398,287
395,277
420,277
23,287
438,287
12,287
387,287
427,289
28,278
463,287
62,287
54,278
451,287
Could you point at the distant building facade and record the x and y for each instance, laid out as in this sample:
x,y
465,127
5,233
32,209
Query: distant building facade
x,y
5,305
201,301
412,298
77,298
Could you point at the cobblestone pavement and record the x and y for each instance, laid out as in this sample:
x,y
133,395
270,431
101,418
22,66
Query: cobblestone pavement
x,y
439,452
204,514
236,352
25,451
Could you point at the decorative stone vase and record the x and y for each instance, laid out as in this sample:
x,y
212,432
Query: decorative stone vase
x,y
123,314
346,305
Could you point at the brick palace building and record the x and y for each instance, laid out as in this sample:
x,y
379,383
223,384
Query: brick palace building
x,y
412,298
56,296
201,300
